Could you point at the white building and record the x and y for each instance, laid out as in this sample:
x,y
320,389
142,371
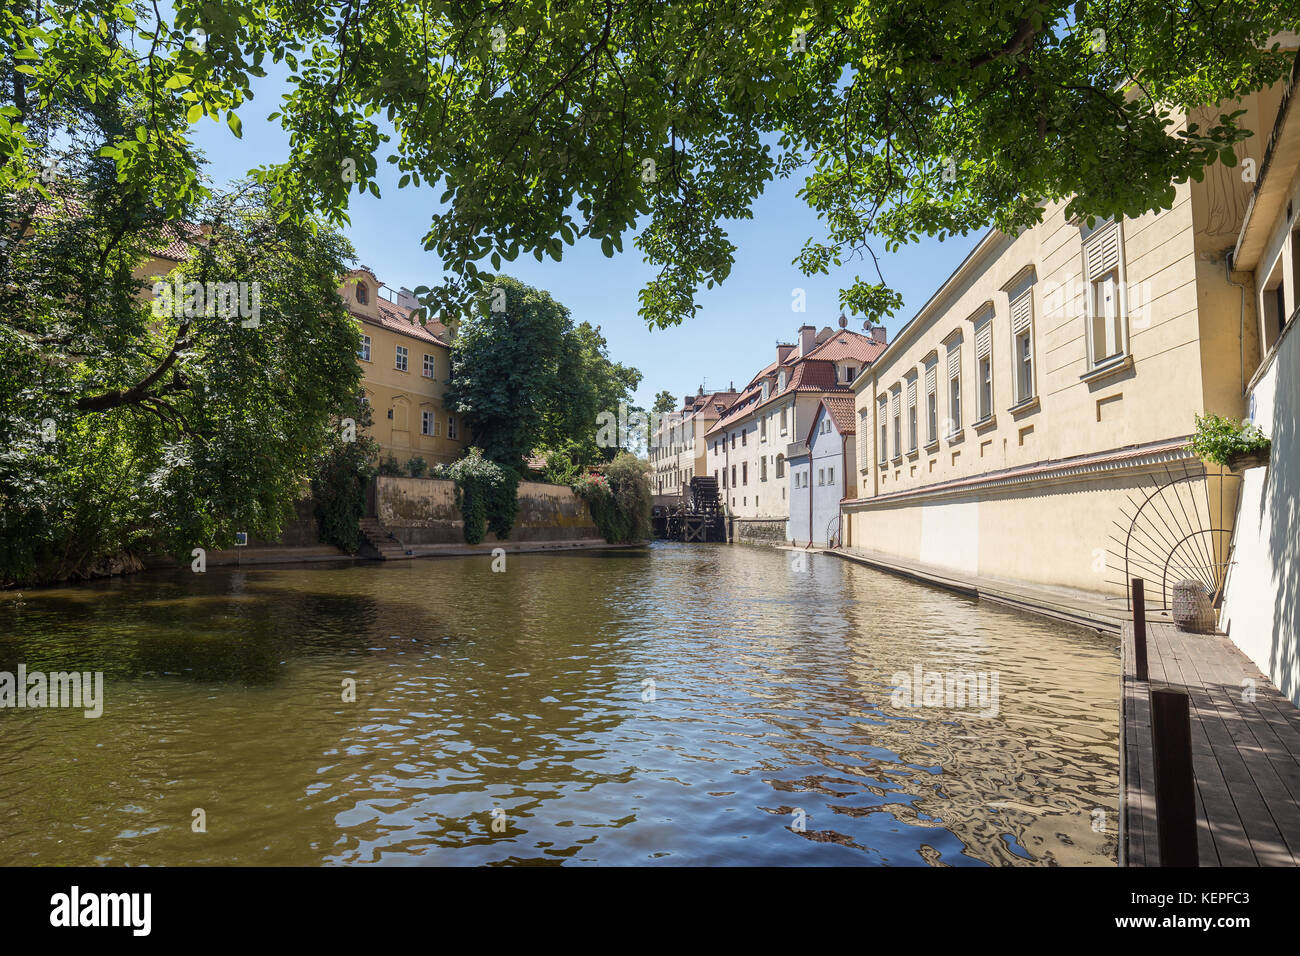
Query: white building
x,y
748,446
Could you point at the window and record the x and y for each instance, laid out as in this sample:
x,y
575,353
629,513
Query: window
x,y
911,416
428,366
1022,343
830,476
783,414
1273,314
426,423
762,426
400,362
762,468
1107,311
986,387
744,472
882,415
850,372
1024,366
363,353
932,416
954,388
896,411
780,466
733,439
821,477
733,477
363,294
743,433
451,426
984,367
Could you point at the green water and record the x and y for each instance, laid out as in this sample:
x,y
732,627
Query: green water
x,y
771,737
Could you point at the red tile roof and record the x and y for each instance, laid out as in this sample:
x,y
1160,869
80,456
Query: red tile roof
x,y
813,372
845,345
840,409
397,319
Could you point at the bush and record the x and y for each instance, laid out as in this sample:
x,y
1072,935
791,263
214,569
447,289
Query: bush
x,y
416,467
338,488
619,500
486,495
1221,440
389,466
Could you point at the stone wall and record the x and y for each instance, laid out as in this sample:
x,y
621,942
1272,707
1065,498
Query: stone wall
x,y
768,531
423,511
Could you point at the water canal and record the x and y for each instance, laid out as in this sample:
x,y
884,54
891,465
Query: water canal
x,y
774,735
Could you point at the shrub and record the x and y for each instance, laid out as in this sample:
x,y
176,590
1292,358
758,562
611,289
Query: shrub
x,y
338,488
1222,440
389,466
416,467
619,499
486,495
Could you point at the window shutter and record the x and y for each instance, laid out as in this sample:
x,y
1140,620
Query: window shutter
x,y
984,340
931,377
1101,253
1021,312
894,401
954,358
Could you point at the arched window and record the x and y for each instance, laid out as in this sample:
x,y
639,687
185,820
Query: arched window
x,y
363,295
780,466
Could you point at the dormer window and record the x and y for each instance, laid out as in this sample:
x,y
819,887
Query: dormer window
x,y
363,296
780,381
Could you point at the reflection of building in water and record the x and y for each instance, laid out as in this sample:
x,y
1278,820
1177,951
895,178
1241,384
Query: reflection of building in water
x,y
1032,777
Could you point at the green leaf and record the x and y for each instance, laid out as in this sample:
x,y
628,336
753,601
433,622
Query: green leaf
x,y
236,125
195,113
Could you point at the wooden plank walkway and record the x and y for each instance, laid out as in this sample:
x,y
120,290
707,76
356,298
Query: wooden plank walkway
x,y
1245,752
1104,612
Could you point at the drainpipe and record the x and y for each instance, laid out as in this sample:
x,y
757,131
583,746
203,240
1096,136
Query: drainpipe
x,y
1241,321
810,495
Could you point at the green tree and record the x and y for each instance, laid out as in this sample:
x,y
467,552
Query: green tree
x,y
547,124
664,402
340,477
507,361
128,421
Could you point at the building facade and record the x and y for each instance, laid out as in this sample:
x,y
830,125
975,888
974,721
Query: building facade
x,y
1261,606
677,447
1053,376
747,448
823,473
405,370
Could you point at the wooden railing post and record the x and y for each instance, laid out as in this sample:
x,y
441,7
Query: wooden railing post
x,y
1140,628
1171,745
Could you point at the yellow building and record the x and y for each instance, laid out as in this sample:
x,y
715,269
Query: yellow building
x,y
677,447
405,368
1053,379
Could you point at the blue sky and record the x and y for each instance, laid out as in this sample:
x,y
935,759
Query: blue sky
x,y
733,335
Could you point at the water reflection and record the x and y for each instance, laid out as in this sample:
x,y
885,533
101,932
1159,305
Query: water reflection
x,y
771,737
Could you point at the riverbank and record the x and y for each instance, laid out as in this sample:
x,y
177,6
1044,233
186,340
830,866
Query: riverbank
x,y
1102,612
1245,753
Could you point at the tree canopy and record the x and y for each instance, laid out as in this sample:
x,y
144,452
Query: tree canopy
x,y
541,124
169,417
527,378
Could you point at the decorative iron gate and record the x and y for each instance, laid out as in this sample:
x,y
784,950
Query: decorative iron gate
x,y
1179,529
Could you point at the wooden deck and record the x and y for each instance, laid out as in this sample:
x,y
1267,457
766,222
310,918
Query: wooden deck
x,y
1245,754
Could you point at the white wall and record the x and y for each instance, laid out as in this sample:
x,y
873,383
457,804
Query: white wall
x,y
1261,607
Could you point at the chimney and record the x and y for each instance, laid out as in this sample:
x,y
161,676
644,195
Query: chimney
x,y
406,298
783,352
807,339
878,335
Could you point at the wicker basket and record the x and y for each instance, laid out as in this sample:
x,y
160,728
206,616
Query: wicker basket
x,y
1192,610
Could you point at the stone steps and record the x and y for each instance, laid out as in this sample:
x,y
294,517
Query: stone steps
x,y
380,538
